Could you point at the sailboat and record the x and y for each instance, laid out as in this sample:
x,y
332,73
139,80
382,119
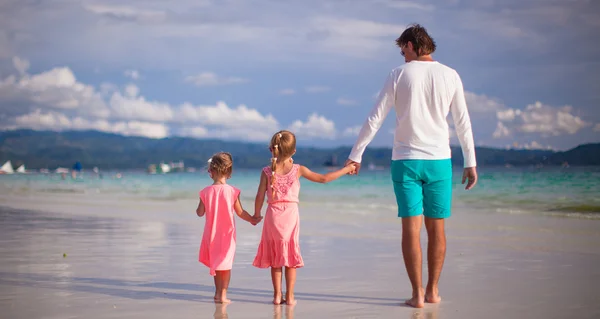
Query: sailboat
x,y
21,169
6,168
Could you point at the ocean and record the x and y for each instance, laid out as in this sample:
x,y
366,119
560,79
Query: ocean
x,y
565,192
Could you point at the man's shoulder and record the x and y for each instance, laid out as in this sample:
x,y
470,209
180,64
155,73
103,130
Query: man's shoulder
x,y
447,69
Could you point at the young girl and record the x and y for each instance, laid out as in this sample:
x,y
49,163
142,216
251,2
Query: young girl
x,y
279,246
218,201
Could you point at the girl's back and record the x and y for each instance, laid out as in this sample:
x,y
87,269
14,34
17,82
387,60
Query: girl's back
x,y
218,241
286,186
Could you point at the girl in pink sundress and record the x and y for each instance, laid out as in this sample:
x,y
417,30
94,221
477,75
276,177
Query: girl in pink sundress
x,y
218,202
279,245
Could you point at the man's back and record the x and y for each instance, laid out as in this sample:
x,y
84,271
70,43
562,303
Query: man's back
x,y
424,94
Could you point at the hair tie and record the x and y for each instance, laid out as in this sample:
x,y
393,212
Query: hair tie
x,y
273,158
273,173
276,146
210,160
279,135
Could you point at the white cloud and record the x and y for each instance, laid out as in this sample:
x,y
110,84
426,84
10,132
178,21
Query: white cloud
x,y
316,126
533,145
55,89
501,131
127,12
346,102
480,103
407,5
354,37
212,79
21,65
54,121
317,89
55,100
133,107
287,92
352,131
132,74
196,131
541,119
597,128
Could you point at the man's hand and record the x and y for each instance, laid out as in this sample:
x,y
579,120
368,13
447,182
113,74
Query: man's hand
x,y
470,175
356,165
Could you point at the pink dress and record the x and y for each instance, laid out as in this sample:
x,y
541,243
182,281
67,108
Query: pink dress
x,y
279,245
218,241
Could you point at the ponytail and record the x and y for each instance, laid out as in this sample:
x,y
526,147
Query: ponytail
x,y
275,152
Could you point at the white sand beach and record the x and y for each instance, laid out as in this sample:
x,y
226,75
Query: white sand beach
x,y
139,260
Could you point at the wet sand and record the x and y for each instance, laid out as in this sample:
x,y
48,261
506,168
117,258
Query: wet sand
x,y
69,261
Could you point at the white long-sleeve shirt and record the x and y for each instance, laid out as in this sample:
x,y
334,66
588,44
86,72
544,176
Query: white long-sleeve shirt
x,y
422,93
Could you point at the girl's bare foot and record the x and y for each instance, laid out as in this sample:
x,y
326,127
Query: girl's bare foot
x,y
433,296
418,299
289,299
277,298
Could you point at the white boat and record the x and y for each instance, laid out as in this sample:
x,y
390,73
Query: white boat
x,y
164,168
44,171
21,169
6,168
61,170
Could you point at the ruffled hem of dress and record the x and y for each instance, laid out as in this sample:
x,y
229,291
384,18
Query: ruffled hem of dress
x,y
278,254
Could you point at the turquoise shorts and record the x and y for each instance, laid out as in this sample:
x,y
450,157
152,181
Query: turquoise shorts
x,y
423,187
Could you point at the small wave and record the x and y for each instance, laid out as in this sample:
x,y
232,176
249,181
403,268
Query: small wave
x,y
580,209
62,190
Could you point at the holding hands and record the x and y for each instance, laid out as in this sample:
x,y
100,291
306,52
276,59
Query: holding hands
x,y
355,165
256,220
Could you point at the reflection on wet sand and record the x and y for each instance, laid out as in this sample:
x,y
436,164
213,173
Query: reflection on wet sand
x,y
221,311
288,310
429,312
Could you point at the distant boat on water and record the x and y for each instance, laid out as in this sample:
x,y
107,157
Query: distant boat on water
x,y
21,169
61,170
164,168
7,168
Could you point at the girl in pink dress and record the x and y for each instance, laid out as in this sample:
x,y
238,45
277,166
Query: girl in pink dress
x,y
279,246
218,202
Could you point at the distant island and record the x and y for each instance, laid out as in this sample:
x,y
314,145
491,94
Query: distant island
x,y
49,150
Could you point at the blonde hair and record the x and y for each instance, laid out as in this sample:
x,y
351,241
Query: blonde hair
x,y
221,164
283,145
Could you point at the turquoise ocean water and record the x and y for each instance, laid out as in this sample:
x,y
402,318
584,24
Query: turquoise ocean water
x,y
571,192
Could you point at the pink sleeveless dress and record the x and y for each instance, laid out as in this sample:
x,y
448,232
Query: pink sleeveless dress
x,y
218,240
279,245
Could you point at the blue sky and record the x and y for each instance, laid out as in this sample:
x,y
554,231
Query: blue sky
x,y
242,69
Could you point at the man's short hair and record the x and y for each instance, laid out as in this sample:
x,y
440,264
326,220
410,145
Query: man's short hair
x,y
422,43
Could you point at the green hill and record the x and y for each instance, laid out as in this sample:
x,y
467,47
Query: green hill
x,y
52,149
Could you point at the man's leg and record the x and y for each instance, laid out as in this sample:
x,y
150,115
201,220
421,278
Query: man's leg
x,y
408,189
436,253
437,202
411,251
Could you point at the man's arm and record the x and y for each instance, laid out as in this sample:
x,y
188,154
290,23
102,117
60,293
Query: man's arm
x,y
462,125
384,104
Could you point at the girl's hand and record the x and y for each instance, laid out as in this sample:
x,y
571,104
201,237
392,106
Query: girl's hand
x,y
256,220
350,169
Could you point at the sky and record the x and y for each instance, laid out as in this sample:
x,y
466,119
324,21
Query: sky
x,y
243,69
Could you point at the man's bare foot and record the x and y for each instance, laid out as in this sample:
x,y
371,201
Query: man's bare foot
x,y
222,300
433,296
277,298
418,300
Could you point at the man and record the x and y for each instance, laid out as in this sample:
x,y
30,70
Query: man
x,y
423,92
